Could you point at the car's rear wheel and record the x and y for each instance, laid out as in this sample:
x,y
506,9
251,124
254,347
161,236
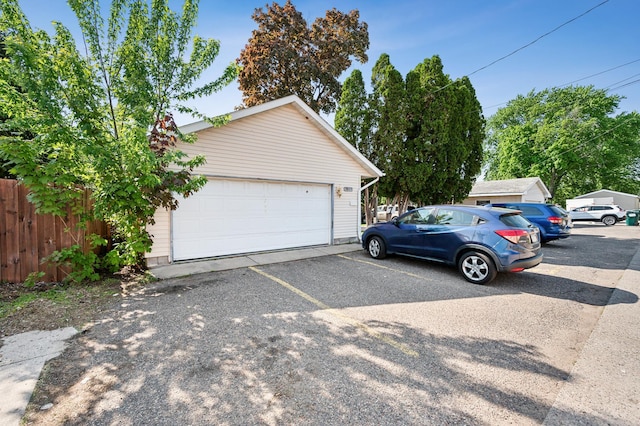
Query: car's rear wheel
x,y
376,248
609,220
477,268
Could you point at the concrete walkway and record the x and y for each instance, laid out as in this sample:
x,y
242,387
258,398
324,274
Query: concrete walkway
x,y
22,357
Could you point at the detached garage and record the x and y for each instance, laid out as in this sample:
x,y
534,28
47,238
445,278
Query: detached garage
x,y
279,177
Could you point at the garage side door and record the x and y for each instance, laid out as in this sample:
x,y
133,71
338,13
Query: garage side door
x,y
235,216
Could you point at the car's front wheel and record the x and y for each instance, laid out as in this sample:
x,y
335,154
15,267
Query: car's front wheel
x,y
609,220
477,268
376,248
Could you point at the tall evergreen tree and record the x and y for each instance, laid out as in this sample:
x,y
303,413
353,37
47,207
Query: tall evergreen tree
x,y
427,133
351,119
353,122
389,122
444,135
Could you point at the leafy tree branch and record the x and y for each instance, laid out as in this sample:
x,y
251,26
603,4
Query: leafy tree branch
x,y
102,120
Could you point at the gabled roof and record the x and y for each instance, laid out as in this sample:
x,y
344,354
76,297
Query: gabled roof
x,y
305,110
607,191
508,187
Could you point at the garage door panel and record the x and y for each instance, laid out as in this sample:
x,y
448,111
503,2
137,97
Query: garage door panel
x,y
231,217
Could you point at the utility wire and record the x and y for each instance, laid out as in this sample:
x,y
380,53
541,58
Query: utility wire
x,y
600,135
528,44
538,39
599,73
625,85
582,144
611,87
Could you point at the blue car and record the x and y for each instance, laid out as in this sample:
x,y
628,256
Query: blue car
x,y
554,223
481,241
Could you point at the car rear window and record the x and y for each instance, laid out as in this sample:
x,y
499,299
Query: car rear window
x,y
515,220
556,210
531,211
526,210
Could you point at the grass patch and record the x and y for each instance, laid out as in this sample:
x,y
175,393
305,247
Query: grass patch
x,y
47,306
58,296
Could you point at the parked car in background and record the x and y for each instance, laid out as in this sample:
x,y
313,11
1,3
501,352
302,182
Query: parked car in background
x,y
481,241
609,214
553,221
387,212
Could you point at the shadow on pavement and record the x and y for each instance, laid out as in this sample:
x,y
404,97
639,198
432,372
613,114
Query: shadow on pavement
x,y
241,360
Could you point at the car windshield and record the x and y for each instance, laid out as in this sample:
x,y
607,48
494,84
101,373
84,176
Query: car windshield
x,y
515,220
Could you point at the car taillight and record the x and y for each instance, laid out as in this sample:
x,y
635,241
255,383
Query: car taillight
x,y
555,220
513,235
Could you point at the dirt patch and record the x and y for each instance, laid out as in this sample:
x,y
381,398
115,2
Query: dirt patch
x,y
49,306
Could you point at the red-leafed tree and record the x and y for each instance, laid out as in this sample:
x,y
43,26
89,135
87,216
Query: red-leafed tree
x,y
286,56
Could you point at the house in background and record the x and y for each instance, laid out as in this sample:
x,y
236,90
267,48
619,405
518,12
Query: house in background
x,y
605,196
527,190
279,177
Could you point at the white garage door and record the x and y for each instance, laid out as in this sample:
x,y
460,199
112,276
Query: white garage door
x,y
236,216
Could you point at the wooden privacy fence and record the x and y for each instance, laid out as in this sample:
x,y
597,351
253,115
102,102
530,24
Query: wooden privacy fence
x,y
26,238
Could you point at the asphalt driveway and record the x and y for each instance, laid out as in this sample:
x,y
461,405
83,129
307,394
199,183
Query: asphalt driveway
x,y
345,339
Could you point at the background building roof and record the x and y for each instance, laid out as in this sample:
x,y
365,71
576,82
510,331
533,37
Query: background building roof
x,y
508,187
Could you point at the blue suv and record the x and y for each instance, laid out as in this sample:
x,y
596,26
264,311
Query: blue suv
x,y
554,223
480,241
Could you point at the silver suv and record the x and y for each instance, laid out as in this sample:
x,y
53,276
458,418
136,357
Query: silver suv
x,y
609,214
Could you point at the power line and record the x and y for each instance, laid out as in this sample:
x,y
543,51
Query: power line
x,y
538,39
625,85
600,73
611,88
582,144
527,45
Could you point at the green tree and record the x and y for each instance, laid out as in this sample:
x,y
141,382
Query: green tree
x,y
427,133
285,56
351,119
445,131
569,137
353,122
6,166
389,122
103,120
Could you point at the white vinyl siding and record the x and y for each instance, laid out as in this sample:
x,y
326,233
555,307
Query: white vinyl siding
x,y
534,195
288,144
281,144
160,232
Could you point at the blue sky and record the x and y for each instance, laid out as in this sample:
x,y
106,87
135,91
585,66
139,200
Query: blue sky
x,y
467,34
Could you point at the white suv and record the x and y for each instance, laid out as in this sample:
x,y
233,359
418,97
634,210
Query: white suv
x,y
609,214
387,212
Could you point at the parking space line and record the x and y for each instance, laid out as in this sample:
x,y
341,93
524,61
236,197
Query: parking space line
x,y
352,321
385,267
